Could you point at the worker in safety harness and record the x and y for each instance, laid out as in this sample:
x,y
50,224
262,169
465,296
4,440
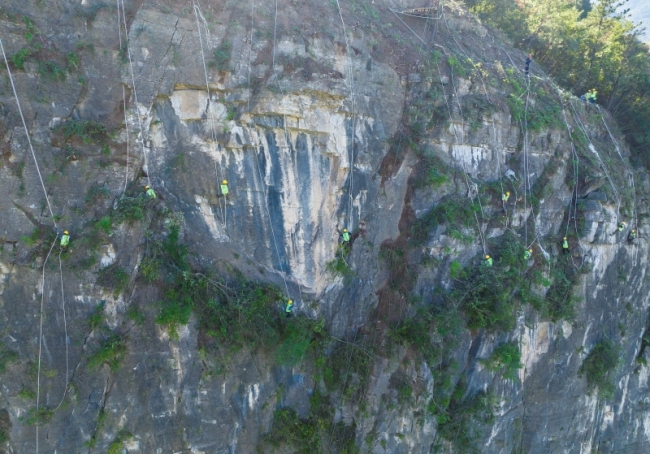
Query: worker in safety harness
x,y
224,188
565,246
288,308
528,60
488,261
65,240
149,192
504,199
631,236
528,253
346,236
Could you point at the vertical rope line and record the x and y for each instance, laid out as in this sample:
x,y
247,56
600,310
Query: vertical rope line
x,y
40,344
198,13
135,93
126,124
29,140
65,327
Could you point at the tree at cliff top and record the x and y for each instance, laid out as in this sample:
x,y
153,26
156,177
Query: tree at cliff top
x,y
584,45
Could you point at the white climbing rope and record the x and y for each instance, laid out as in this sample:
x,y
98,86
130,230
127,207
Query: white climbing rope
x,y
198,13
593,149
40,344
354,116
135,93
65,328
29,140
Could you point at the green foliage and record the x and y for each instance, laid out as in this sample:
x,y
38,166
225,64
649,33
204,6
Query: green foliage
x,y
582,48
599,367
117,445
317,433
150,269
221,56
457,66
111,352
129,210
347,368
51,71
40,416
339,267
27,394
136,315
96,318
297,337
72,61
85,130
115,277
456,270
560,300
454,211
20,57
96,192
464,421
6,357
507,357
105,224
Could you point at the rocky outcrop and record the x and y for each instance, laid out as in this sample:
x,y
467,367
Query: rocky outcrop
x,y
316,128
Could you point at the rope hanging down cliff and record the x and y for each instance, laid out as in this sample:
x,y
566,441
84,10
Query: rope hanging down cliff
x,y
40,336
218,170
135,91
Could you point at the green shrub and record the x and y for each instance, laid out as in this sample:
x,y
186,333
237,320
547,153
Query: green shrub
x,y
115,277
6,357
136,315
507,357
221,56
40,416
117,445
464,420
86,130
339,267
20,57
129,210
111,352
51,71
105,224
96,318
599,367
97,192
150,269
297,336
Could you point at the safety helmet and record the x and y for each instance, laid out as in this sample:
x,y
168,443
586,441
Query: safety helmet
x,y
224,182
290,302
565,238
345,230
146,187
487,256
633,230
507,192
530,250
65,232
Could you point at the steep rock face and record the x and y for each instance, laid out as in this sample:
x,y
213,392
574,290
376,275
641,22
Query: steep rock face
x,y
309,126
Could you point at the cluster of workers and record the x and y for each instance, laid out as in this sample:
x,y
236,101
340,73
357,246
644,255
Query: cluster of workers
x,y
528,253
150,194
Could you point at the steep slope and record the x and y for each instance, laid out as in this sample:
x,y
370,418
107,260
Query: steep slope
x,y
161,329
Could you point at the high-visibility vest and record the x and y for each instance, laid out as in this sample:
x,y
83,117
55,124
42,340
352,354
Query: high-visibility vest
x,y
288,308
224,189
151,194
621,227
489,261
505,197
565,244
346,236
527,255
65,239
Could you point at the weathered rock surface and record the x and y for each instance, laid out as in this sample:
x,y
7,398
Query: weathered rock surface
x,y
303,122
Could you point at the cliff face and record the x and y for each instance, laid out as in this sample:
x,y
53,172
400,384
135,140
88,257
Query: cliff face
x,y
407,138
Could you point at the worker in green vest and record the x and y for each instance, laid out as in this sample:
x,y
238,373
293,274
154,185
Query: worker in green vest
x,y
565,246
149,192
528,253
631,236
346,236
488,261
288,308
224,188
65,240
